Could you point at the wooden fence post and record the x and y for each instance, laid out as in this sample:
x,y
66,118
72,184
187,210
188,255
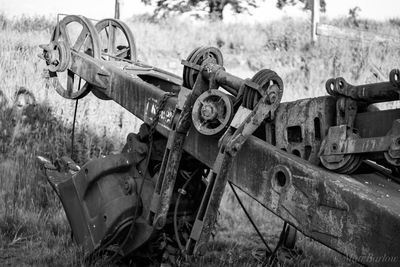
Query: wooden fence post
x,y
314,19
117,14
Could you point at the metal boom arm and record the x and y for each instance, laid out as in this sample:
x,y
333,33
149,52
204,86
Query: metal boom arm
x,y
354,215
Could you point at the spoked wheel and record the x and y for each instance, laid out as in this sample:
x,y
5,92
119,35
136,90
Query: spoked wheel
x,y
116,40
73,33
197,57
116,43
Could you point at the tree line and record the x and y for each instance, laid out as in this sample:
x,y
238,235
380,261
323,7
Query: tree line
x,y
215,8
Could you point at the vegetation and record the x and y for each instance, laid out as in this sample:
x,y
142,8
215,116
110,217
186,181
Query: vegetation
x,y
307,4
215,8
33,227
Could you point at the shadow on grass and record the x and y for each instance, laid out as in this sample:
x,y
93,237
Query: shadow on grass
x,y
33,227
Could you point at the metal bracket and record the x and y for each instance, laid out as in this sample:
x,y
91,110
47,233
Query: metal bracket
x,y
173,153
230,144
191,65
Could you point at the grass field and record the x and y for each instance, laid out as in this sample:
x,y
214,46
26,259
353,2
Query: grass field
x,y
33,227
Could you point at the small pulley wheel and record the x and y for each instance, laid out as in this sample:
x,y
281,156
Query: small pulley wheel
x,y
265,79
197,56
116,40
73,33
212,112
346,164
57,56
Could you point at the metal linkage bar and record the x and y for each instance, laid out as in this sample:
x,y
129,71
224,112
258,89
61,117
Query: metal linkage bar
x,y
371,93
243,125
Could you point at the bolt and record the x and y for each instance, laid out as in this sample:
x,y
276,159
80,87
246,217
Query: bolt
x,y
127,187
272,97
334,147
207,111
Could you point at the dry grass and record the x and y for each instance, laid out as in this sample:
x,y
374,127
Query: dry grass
x,y
33,228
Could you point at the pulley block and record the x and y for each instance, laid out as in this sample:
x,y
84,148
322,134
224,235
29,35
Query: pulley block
x,y
265,79
196,57
340,163
57,56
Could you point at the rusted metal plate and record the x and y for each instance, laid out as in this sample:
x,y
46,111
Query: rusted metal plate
x,y
301,125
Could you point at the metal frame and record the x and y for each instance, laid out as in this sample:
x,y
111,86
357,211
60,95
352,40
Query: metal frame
x,y
355,216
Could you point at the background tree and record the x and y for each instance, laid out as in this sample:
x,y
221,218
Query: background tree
x,y
307,4
214,8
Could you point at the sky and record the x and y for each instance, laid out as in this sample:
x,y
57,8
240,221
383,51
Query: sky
x,y
98,9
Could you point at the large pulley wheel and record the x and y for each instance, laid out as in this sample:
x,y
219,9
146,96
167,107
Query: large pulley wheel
x,y
116,43
212,112
270,83
197,57
73,33
116,40
346,164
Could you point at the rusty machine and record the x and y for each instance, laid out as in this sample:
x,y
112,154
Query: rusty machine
x,y
328,166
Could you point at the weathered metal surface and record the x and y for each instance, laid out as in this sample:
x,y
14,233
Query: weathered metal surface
x,y
347,215
101,197
300,126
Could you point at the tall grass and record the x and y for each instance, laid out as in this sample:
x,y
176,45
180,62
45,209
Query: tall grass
x,y
33,228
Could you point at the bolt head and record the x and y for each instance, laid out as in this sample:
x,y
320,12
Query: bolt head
x,y
209,111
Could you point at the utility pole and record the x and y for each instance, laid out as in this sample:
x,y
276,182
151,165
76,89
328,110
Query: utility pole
x,y
117,14
314,19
